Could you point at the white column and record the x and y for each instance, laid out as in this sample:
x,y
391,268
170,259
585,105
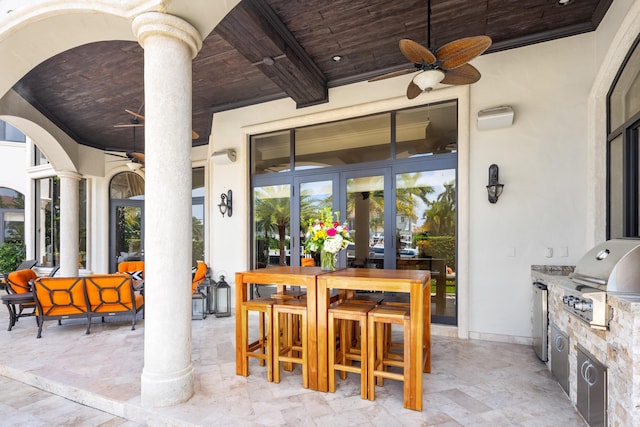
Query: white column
x,y
69,224
169,45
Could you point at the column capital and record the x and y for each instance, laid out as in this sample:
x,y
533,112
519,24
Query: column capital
x,y
157,23
69,174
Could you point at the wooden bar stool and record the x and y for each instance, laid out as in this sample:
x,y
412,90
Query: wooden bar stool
x,y
286,348
367,298
379,320
262,347
341,317
284,293
394,300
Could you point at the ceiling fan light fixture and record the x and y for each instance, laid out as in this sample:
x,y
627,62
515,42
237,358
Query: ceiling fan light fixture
x,y
428,79
134,166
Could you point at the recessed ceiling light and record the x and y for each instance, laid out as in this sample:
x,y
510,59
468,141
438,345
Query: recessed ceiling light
x,y
336,58
564,2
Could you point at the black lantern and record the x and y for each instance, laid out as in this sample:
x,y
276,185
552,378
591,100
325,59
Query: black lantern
x,y
494,188
222,298
209,291
198,306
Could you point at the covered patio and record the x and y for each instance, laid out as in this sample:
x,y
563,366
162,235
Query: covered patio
x,y
473,383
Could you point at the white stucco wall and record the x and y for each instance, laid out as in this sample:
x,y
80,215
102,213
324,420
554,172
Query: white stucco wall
x,y
542,159
13,163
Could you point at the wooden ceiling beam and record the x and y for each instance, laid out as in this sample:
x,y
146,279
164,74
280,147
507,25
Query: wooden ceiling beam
x,y
257,33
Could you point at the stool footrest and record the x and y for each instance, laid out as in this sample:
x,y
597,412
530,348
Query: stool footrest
x,y
347,368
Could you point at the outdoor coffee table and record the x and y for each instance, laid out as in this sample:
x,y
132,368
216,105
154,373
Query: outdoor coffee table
x,y
11,301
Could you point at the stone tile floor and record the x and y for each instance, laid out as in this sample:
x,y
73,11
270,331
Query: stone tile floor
x,y
67,378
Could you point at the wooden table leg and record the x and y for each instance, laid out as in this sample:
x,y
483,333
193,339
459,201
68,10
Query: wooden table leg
x,y
322,328
242,367
417,325
312,337
426,340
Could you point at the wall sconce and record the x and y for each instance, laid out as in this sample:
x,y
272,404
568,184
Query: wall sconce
x,y
224,157
497,117
494,188
226,203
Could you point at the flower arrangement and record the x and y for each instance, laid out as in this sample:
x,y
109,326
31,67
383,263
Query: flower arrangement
x,y
327,236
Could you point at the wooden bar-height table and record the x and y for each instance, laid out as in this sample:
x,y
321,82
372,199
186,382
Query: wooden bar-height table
x,y
281,276
414,282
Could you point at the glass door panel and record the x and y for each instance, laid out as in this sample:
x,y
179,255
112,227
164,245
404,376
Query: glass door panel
x,y
272,225
316,193
365,216
127,232
426,232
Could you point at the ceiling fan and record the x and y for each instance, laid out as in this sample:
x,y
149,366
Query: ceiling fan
x,y
136,160
138,121
449,65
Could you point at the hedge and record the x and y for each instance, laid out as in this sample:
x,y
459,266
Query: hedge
x,y
438,247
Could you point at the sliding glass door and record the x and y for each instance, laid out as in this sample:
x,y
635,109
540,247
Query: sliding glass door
x,y
392,178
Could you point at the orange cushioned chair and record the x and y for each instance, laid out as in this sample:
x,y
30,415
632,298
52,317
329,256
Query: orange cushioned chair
x,y
60,298
112,294
19,282
307,262
200,302
199,276
134,268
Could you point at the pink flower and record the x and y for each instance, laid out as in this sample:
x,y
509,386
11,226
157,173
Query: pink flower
x,y
331,232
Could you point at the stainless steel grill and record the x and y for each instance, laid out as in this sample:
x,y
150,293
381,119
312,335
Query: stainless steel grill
x,y
610,268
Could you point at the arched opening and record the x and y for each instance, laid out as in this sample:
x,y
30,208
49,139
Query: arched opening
x,y
12,247
126,218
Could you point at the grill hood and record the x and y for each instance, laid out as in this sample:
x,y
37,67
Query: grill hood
x,y
612,266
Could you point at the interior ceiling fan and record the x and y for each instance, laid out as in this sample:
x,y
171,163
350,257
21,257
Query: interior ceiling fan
x,y
449,64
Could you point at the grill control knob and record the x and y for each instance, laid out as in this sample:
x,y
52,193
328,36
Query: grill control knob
x,y
583,305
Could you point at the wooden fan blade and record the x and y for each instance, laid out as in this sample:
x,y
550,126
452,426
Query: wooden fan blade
x,y
137,156
413,90
461,51
134,114
194,135
416,53
129,125
463,75
393,74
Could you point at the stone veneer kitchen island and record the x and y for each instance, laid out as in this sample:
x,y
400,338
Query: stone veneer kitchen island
x,y
617,348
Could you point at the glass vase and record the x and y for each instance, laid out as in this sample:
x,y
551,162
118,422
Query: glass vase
x,y
328,261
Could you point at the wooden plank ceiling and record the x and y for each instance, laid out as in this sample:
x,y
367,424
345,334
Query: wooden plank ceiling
x,y
271,49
